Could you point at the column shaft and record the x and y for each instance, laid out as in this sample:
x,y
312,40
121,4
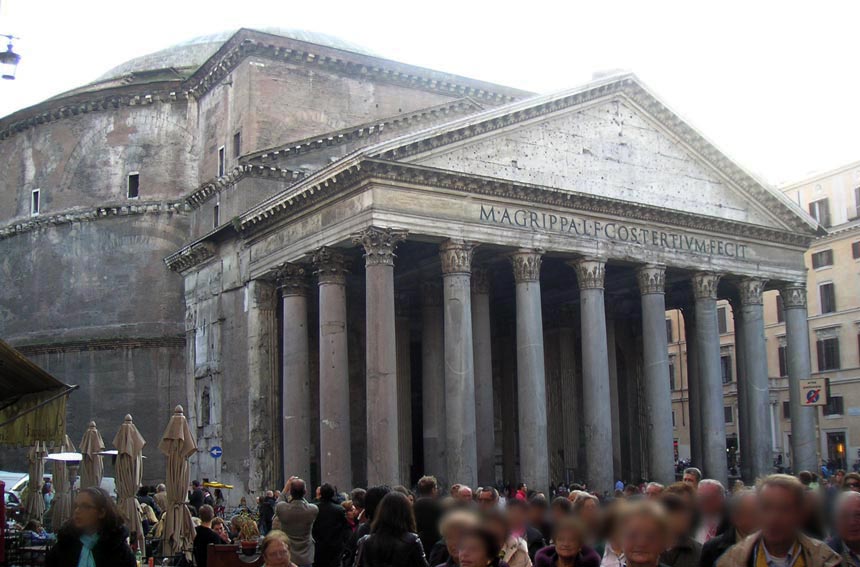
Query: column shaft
x,y
296,388
531,376
462,456
383,448
590,274
569,411
404,388
482,340
335,441
743,401
756,388
658,392
433,381
710,377
803,442
693,389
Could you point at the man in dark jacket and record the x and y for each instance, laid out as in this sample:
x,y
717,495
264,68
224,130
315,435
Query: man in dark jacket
x,y
846,541
204,535
428,512
267,512
196,497
330,530
743,513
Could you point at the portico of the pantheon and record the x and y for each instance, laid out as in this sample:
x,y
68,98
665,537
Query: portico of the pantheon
x,y
485,299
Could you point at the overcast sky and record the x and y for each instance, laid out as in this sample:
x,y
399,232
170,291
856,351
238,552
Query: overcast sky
x,y
776,85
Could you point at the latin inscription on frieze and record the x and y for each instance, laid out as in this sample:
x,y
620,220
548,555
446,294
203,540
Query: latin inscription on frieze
x,y
611,231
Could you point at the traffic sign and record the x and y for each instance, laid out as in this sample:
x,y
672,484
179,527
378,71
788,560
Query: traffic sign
x,y
216,452
813,392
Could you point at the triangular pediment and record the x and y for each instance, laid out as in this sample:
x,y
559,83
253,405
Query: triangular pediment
x,y
614,140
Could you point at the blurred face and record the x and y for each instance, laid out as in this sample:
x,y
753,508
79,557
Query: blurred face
x,y
486,500
589,512
452,541
465,494
567,543
86,516
221,530
680,522
746,516
516,518
536,515
499,530
711,500
848,522
781,514
351,513
852,484
277,555
690,479
642,541
455,490
652,491
472,553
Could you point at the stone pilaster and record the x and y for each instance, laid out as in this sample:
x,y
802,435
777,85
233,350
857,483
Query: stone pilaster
x,y
462,457
797,358
531,373
482,340
658,392
383,451
335,442
710,376
597,398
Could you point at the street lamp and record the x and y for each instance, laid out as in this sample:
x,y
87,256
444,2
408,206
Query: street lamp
x,y
8,60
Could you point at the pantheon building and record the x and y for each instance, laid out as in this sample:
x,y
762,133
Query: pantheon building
x,y
360,271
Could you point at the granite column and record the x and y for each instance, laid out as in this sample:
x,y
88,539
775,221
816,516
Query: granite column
x,y
482,340
433,381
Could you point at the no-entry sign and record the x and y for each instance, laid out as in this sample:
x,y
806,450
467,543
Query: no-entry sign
x,y
813,392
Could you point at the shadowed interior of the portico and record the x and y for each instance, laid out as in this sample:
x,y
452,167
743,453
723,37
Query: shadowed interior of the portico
x,y
418,281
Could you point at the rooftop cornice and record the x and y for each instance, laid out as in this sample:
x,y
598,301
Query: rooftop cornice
x,y
819,176
367,131
214,186
83,103
189,256
91,214
246,42
311,191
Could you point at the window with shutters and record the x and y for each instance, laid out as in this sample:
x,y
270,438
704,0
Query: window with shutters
x,y
726,365
672,385
216,215
729,414
827,350
722,322
237,144
782,366
820,211
786,410
222,161
827,297
835,404
669,335
780,309
855,249
822,259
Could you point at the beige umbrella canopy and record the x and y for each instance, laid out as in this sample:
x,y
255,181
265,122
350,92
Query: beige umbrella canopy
x,y
178,444
61,507
129,460
34,503
92,465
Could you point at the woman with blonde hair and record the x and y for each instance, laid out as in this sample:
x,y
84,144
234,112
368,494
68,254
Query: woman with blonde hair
x,y
275,550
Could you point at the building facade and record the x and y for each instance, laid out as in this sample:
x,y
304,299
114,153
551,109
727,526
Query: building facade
x,y
832,198
380,270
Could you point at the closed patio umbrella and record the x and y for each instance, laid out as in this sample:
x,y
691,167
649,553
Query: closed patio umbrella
x,y
92,465
34,504
178,444
129,446
61,507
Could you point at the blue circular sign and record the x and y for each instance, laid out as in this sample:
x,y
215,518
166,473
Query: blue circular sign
x,y
216,452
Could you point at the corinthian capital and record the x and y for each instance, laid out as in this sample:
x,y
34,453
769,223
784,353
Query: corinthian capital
x,y
590,272
291,279
751,291
651,278
330,266
379,244
526,265
456,256
705,285
793,295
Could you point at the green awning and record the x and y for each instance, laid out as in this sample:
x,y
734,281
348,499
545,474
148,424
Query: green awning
x,y
32,402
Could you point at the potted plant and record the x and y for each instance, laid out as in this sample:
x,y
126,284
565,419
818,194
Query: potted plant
x,y
249,536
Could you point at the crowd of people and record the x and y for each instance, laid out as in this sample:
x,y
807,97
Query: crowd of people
x,y
783,521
